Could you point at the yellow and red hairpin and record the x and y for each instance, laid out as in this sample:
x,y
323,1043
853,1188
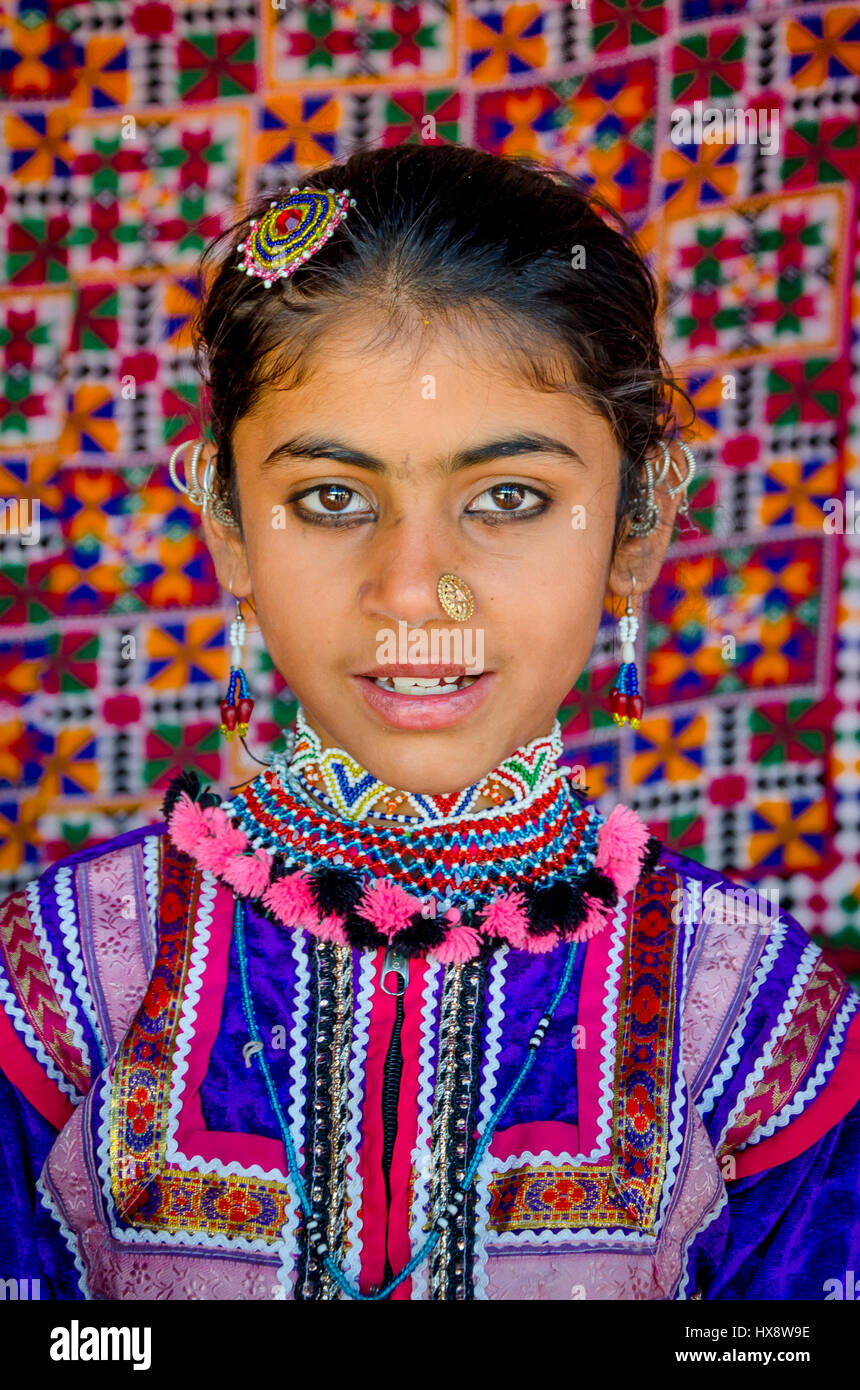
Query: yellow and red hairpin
x,y
291,231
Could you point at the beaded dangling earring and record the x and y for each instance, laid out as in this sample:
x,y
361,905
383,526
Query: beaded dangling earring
x,y
235,715
625,701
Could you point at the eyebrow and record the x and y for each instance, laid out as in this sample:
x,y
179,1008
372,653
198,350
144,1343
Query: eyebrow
x,y
311,446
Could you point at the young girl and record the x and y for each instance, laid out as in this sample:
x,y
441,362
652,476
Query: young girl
x,y
406,1016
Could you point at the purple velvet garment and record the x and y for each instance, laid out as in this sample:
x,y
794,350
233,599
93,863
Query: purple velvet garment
x,y
792,1231
726,994
31,1244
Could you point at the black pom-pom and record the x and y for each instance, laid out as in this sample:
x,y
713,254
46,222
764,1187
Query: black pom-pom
x,y
557,904
185,781
335,890
422,934
361,933
599,885
653,850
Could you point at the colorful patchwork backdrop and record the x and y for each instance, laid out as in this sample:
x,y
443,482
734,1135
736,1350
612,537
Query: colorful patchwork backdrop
x,y
130,130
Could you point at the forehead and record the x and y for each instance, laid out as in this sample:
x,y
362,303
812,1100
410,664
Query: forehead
x,y
426,389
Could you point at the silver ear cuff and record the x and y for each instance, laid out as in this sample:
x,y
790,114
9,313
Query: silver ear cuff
x,y
202,495
647,519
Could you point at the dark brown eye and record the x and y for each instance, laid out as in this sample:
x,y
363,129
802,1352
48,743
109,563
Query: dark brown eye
x,y
508,495
334,494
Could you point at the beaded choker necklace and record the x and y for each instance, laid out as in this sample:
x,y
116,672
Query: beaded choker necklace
x,y
535,871
336,780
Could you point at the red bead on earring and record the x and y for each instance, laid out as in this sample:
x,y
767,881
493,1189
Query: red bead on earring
x,y
236,713
625,701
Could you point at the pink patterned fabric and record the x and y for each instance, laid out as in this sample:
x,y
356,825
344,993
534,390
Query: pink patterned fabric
x,y
107,885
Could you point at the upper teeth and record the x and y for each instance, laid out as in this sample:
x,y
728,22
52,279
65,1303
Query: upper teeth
x,y
421,685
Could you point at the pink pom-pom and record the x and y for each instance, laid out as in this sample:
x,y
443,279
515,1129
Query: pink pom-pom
x,y
215,855
248,873
330,929
537,945
621,841
234,838
216,818
187,824
291,900
388,906
594,921
507,917
461,943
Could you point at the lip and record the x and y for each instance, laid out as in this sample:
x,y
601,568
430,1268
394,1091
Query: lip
x,y
425,711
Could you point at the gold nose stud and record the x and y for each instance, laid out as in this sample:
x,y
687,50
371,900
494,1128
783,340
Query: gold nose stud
x,y
455,597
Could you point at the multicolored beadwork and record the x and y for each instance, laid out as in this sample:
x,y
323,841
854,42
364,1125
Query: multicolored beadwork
x,y
338,781
546,871
291,231
625,701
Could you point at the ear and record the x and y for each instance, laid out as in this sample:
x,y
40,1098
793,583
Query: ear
x,y
641,557
229,556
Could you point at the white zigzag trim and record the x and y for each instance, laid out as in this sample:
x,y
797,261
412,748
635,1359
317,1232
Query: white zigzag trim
x,y
297,1051
421,1153
676,1135
355,1102
150,879
607,1071
681,1294
805,967
815,1082
721,1078
65,904
288,1251
24,1029
50,1205
568,1242
495,1013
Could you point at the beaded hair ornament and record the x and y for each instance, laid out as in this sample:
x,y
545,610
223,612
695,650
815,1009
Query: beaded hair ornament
x,y
291,231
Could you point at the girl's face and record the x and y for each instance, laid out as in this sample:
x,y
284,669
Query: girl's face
x,y
381,473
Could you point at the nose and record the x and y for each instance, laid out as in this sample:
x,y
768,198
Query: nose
x,y
404,570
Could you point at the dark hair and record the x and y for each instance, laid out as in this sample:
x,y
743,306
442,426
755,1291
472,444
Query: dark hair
x,y
439,229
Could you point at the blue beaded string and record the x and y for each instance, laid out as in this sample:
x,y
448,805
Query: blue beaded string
x,y
352,1290
238,685
627,680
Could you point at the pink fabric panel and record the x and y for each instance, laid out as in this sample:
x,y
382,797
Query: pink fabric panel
x,y
110,889
592,1002
712,988
534,1137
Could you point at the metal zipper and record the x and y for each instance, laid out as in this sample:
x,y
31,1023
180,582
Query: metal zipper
x,y
391,1074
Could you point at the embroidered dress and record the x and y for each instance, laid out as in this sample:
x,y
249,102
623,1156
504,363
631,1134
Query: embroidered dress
x,y
289,969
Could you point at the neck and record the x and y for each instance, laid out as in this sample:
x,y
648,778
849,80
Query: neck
x,y
336,780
